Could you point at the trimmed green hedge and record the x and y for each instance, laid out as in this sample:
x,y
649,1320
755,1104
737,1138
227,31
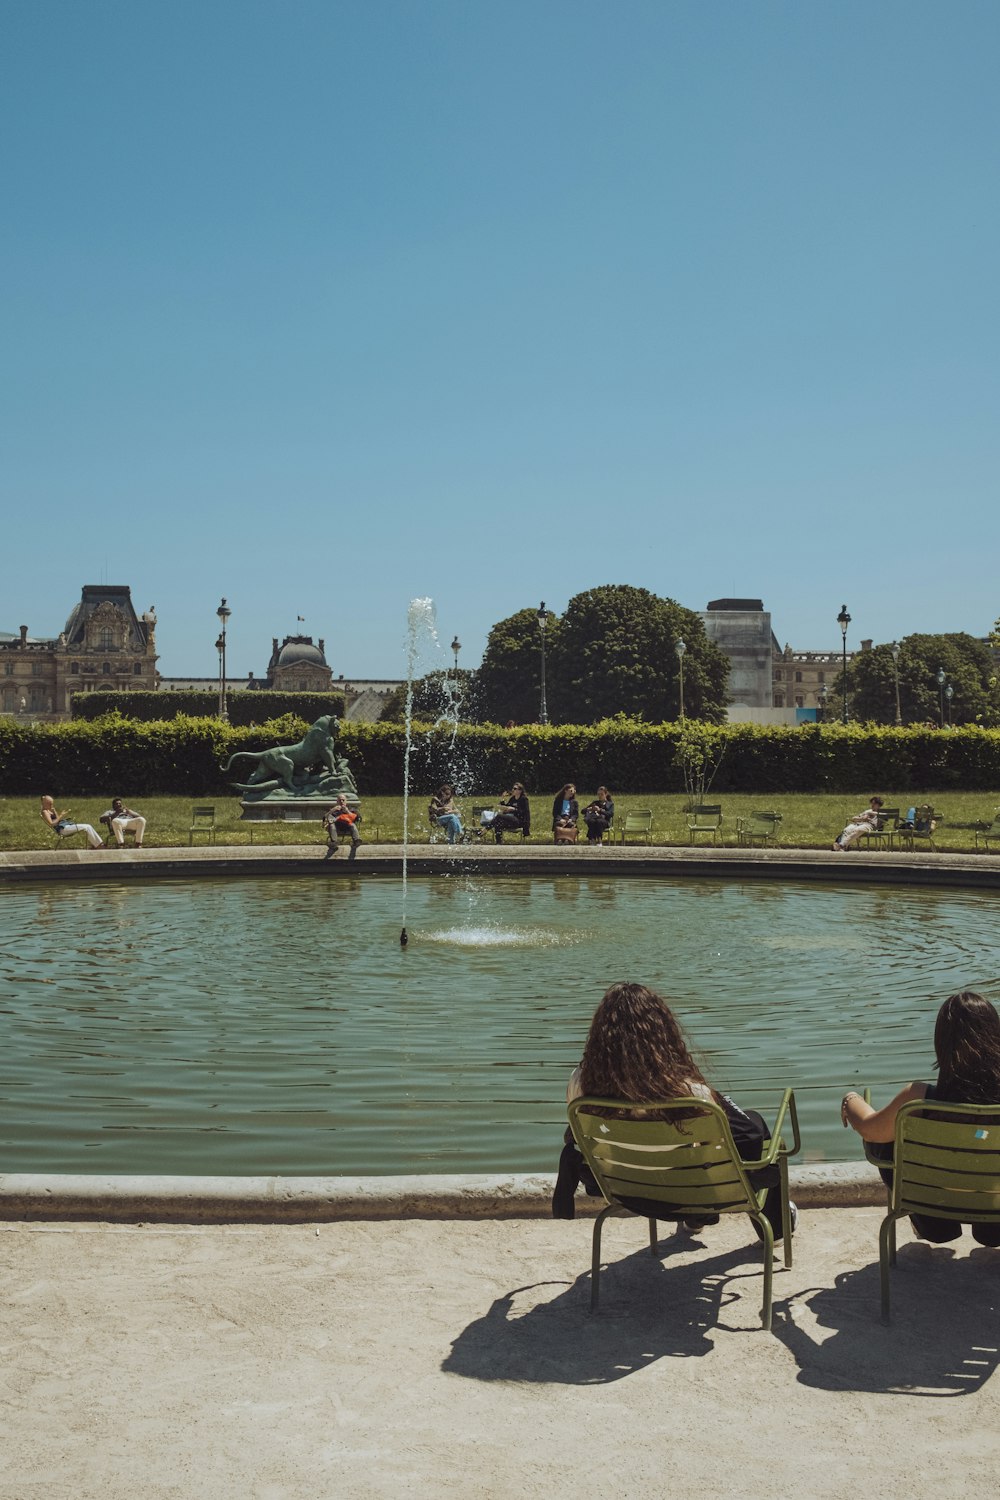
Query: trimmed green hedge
x,y
183,755
243,708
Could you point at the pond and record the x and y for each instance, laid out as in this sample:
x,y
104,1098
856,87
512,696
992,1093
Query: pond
x,y
274,1025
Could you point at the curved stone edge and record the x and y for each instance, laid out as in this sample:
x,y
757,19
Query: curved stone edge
x,y
281,1200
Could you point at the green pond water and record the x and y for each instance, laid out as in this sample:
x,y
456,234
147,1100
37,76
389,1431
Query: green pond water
x,y
275,1025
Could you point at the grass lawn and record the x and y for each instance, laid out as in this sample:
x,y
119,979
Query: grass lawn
x,y
808,821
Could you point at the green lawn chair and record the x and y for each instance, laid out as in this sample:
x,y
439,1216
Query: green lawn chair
x,y
638,823
705,819
758,828
882,835
922,828
689,1168
202,821
946,1164
992,832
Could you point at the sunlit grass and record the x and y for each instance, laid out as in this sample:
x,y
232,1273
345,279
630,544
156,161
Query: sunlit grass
x,y
808,821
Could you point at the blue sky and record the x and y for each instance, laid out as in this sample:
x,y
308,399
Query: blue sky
x,y
322,306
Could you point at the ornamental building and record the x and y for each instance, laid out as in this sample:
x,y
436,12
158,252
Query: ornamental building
x,y
104,645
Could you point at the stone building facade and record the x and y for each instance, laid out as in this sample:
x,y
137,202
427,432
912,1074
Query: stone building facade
x,y
105,645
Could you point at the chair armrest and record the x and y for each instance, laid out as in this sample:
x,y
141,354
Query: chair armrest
x,y
777,1148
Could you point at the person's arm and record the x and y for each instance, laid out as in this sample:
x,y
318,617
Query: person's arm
x,y
51,816
877,1124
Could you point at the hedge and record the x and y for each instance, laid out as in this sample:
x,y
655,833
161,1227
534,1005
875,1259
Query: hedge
x,y
243,707
184,755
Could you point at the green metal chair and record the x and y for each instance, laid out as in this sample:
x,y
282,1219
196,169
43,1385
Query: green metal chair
x,y
202,821
992,832
923,827
883,835
688,1168
759,827
946,1164
705,819
638,823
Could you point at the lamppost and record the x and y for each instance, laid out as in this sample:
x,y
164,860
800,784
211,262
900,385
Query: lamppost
x,y
456,647
843,620
949,693
940,683
543,615
223,613
894,648
823,693
681,649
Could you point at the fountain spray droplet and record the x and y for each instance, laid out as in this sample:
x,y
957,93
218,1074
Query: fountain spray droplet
x,y
404,938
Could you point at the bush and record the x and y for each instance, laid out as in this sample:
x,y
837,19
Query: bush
x,y
243,708
184,755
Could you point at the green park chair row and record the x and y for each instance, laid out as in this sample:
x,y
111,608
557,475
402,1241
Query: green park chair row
x,y
946,1161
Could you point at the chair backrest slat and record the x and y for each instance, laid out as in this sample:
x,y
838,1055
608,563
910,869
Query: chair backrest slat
x,y
947,1160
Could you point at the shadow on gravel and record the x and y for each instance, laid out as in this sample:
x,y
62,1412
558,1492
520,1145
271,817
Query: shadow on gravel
x,y
648,1311
942,1340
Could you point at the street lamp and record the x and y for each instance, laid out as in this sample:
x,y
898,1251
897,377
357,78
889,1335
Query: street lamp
x,y
949,693
894,648
823,693
223,613
681,649
843,620
456,647
940,683
543,615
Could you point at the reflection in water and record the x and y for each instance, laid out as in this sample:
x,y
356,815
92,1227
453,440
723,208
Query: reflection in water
x,y
276,1026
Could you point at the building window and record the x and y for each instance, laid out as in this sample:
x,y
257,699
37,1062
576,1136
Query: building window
x,y
74,668
8,670
36,669
107,640
106,669
821,677
779,700
777,676
798,677
798,703
137,669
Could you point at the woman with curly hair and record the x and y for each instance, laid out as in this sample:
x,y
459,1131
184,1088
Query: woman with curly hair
x,y
967,1048
636,1051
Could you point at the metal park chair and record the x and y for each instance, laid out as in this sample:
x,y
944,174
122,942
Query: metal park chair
x,y
922,828
758,828
638,824
884,833
987,833
707,818
945,1164
202,821
683,1168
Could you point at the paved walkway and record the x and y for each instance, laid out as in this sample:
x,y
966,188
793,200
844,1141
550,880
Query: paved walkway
x,y
456,1358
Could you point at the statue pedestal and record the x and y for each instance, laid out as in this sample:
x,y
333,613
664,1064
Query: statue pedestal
x,y
284,809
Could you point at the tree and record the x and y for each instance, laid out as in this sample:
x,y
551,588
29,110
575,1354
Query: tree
x,y
509,680
968,667
447,694
616,652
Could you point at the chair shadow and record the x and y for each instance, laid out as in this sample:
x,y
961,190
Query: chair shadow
x,y
942,1341
648,1311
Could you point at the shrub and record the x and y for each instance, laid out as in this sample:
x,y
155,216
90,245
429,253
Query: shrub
x,y
243,708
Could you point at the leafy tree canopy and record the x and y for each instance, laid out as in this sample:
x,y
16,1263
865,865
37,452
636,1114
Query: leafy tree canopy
x,y
968,666
616,651
509,680
450,694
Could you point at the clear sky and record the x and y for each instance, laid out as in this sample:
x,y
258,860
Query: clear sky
x,y
325,305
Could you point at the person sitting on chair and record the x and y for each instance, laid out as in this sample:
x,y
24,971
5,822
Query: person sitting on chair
x,y
599,815
636,1052
62,824
565,813
444,813
860,824
514,815
967,1049
120,819
343,820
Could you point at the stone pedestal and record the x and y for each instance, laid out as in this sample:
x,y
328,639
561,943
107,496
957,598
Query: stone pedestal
x,y
285,809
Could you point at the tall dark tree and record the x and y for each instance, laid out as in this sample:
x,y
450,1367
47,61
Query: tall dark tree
x,y
968,666
616,652
446,694
509,680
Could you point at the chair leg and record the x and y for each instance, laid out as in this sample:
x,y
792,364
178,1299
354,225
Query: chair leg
x,y
886,1258
786,1212
767,1235
652,1237
595,1258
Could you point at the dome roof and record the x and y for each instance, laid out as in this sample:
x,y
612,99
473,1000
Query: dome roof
x,y
298,650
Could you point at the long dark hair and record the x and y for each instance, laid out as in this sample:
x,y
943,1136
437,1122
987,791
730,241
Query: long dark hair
x,y
967,1047
636,1050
